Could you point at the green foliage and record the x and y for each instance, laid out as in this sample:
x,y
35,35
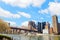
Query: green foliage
x,y
3,36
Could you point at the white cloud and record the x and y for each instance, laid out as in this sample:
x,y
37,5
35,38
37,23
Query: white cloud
x,y
43,11
24,3
25,14
7,14
34,21
37,2
41,19
25,24
53,9
11,23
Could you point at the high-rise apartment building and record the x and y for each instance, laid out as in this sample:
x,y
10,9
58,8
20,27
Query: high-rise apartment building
x,y
55,24
41,26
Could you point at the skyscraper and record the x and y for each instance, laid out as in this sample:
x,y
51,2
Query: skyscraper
x,y
41,26
31,25
55,24
46,29
51,30
47,26
58,28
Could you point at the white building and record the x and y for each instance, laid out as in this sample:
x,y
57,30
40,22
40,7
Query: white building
x,y
45,31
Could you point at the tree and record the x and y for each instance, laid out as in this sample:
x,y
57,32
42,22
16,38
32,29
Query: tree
x,y
4,27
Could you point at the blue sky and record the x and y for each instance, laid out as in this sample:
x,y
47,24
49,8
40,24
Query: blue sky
x,y
19,12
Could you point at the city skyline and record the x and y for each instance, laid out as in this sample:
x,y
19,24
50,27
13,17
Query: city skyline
x,y
41,27
20,12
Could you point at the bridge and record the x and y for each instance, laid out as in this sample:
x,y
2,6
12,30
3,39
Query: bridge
x,y
15,29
